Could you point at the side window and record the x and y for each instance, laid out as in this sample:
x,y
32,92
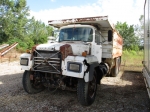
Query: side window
x,y
97,37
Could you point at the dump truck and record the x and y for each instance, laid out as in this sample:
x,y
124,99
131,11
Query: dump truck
x,y
146,59
86,50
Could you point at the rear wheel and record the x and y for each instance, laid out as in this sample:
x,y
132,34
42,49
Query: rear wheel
x,y
86,91
31,86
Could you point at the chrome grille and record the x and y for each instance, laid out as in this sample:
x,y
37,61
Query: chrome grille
x,y
47,61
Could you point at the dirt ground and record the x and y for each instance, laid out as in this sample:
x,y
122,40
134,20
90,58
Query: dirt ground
x,y
124,93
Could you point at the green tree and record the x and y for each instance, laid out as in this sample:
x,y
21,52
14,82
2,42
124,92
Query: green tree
x,y
20,14
139,30
13,19
15,25
5,16
130,40
38,31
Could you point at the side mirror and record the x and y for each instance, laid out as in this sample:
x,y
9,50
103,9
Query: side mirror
x,y
110,35
52,33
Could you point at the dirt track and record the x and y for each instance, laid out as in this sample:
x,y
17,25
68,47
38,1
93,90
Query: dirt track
x,y
125,93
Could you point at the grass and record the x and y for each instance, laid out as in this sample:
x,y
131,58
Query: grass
x,y
132,60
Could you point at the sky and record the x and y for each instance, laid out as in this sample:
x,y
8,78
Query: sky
x,y
117,10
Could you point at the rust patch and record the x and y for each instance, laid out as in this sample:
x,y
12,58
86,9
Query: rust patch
x,y
31,77
66,50
59,23
81,19
33,48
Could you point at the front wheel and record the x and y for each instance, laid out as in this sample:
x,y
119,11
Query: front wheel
x,y
31,86
86,91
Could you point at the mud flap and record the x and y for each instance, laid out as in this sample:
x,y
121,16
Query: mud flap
x,y
101,71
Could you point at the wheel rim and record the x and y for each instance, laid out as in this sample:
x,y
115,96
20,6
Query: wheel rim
x,y
36,83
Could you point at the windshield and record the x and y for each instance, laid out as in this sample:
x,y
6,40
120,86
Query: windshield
x,y
76,34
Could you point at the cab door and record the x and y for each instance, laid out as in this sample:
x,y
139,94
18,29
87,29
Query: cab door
x,y
97,47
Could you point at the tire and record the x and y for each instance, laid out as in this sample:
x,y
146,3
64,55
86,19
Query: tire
x,y
86,91
31,86
116,68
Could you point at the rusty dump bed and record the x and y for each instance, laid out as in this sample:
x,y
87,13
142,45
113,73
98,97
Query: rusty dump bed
x,y
110,49
100,21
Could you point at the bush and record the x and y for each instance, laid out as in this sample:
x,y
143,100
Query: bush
x,y
126,52
133,52
22,45
132,57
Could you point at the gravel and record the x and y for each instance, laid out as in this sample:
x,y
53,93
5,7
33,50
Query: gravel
x,y
124,93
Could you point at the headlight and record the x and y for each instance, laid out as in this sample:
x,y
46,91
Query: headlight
x,y
24,61
75,67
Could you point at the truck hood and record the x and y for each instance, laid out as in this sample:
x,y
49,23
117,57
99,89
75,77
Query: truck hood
x,y
77,48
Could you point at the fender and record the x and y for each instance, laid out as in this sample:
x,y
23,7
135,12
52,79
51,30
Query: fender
x,y
87,65
88,74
